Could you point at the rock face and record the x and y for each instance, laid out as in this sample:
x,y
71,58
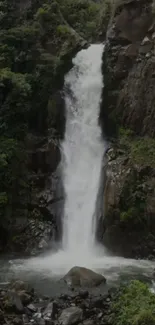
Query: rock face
x,y
81,276
128,67
129,207
128,118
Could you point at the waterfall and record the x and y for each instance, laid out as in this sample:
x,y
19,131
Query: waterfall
x,y
82,156
83,149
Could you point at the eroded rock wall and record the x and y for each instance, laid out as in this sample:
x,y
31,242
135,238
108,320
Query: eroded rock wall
x,y
129,108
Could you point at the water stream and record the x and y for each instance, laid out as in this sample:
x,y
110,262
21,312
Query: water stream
x,y
83,155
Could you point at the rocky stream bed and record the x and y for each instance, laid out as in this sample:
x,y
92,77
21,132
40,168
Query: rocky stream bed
x,y
80,297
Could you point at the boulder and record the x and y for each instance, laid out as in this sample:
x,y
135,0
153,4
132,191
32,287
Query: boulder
x,y
19,285
81,276
14,302
71,315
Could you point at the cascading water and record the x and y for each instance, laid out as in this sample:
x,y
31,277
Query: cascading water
x,y
83,150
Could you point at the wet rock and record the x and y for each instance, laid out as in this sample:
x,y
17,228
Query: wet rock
x,y
80,276
89,322
37,316
19,285
15,301
100,315
17,321
49,311
25,319
127,184
25,297
83,294
97,302
42,322
126,71
32,308
71,315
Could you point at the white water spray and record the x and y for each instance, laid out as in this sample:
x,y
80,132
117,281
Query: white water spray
x,y
83,150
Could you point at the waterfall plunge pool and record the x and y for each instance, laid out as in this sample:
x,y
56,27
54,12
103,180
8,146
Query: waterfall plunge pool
x,y
82,157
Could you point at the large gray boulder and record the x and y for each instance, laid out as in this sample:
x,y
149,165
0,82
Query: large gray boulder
x,y
81,276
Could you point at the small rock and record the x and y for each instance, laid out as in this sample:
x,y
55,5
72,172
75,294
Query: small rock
x,y
148,55
32,308
97,302
83,294
28,312
49,310
3,293
88,322
64,296
99,316
25,319
42,322
17,321
84,305
37,316
71,316
43,244
146,40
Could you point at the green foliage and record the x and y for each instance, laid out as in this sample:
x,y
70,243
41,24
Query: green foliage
x,y
12,171
3,199
86,16
130,214
133,200
15,104
37,40
141,149
63,30
134,305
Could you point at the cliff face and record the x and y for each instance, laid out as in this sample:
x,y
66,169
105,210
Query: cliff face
x,y
128,67
129,108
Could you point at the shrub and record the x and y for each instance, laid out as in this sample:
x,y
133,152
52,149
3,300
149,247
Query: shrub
x,y
134,305
141,149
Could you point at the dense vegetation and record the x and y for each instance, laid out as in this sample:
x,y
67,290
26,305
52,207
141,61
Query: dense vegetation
x,y
134,305
141,149
140,158
37,42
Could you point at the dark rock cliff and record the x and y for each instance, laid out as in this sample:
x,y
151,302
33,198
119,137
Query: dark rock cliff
x,y
128,106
